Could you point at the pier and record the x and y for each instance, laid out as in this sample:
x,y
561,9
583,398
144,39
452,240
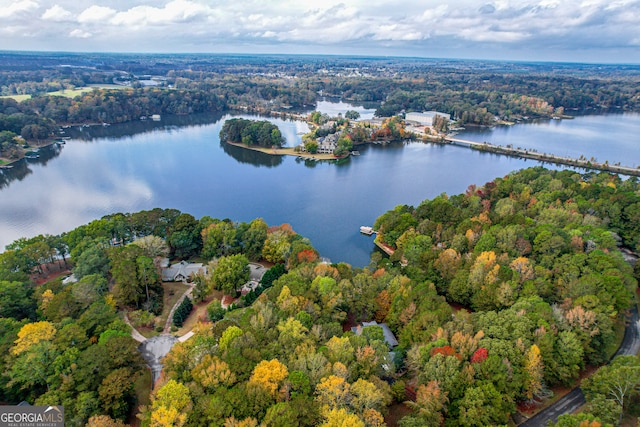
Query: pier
x,y
543,157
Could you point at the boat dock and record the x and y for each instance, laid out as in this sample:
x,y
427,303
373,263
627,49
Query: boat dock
x,y
366,230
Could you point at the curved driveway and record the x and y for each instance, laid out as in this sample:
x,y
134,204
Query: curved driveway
x,y
575,399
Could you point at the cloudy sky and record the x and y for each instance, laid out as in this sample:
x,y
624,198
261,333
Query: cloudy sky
x,y
552,30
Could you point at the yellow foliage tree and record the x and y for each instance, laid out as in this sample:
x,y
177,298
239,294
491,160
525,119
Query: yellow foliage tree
x,y
47,296
534,370
366,396
167,417
247,422
373,418
212,372
171,405
103,421
332,393
341,418
269,375
31,334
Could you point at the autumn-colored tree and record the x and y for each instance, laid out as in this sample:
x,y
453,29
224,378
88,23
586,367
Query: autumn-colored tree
x,y
366,396
308,255
292,332
383,304
116,391
230,334
523,266
171,405
45,299
339,417
480,355
31,334
447,263
373,418
104,421
340,350
269,375
430,403
247,422
332,393
465,344
212,372
445,350
534,371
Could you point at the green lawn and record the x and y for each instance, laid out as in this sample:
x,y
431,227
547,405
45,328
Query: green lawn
x,y
18,98
69,93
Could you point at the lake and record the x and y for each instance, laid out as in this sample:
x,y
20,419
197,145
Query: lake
x,y
180,163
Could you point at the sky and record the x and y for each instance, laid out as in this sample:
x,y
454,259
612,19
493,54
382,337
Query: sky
x,y
596,31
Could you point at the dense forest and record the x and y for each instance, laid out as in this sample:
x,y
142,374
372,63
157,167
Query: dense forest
x,y
495,296
251,132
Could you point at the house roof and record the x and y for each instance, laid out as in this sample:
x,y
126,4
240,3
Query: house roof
x,y
389,338
180,271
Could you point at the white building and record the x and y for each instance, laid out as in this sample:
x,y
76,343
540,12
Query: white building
x,y
426,118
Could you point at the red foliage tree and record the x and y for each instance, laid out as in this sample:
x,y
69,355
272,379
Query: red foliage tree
x,y
307,255
479,355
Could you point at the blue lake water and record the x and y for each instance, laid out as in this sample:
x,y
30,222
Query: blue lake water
x,y
180,163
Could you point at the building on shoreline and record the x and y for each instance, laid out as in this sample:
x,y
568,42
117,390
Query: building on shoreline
x,y
425,118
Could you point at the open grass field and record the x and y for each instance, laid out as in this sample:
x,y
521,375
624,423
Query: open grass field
x,y
18,98
69,93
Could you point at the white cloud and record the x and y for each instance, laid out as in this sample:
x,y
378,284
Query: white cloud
x,y
80,34
17,7
57,14
333,25
96,14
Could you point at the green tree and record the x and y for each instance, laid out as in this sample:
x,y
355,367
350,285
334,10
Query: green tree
x,y
617,381
16,300
184,237
116,392
231,273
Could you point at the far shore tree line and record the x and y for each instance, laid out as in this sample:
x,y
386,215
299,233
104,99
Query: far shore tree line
x,y
470,95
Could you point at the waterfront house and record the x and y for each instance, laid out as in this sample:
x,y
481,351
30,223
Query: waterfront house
x,y
182,271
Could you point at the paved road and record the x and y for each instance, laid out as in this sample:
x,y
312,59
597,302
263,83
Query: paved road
x,y
153,350
257,271
575,399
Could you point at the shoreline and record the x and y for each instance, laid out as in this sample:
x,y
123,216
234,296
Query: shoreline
x,y
287,151
8,164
